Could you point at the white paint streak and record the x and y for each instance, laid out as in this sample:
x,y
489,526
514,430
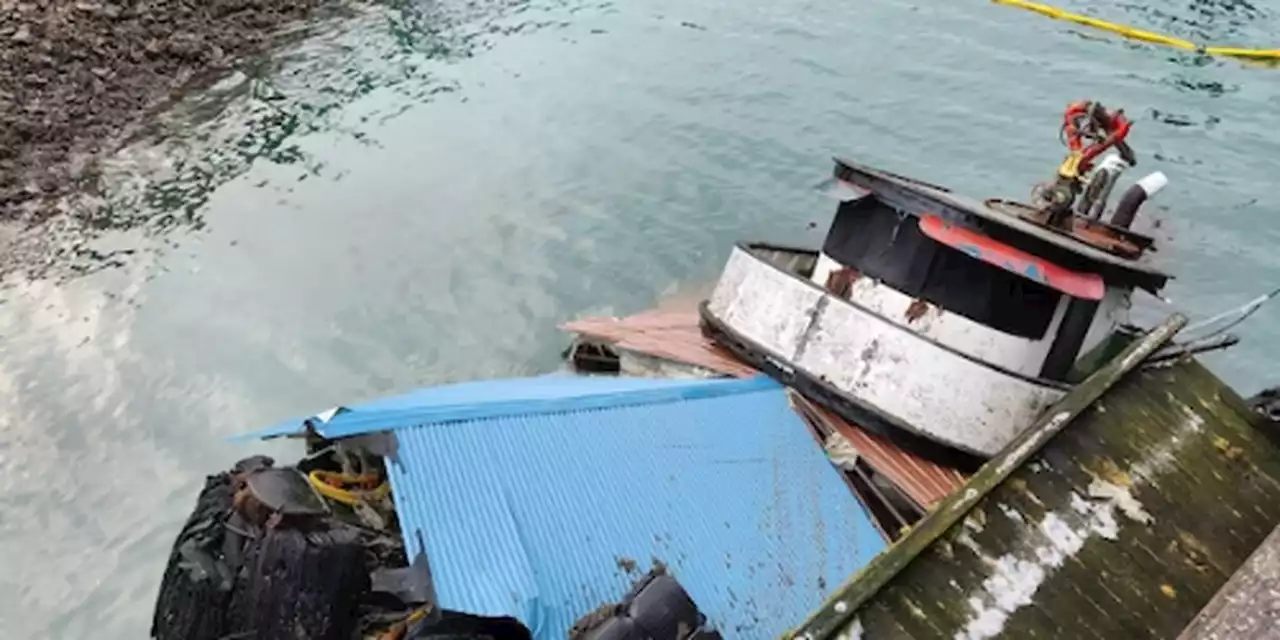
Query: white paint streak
x,y
1015,580
853,631
1012,514
1121,498
963,503
974,524
1105,524
1016,577
1164,456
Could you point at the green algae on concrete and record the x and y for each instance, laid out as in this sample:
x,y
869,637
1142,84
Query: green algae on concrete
x,y
1119,514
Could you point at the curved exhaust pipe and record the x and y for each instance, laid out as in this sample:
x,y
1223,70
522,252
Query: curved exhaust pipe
x,y
1135,196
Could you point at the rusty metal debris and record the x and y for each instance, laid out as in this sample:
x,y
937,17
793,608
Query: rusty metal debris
x,y
840,282
671,335
923,481
1098,234
916,310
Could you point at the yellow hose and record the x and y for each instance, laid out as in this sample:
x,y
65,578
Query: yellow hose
x,y
1251,54
332,485
397,630
1140,34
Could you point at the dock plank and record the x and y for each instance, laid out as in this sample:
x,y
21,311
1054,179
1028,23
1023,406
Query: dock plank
x,y
1120,514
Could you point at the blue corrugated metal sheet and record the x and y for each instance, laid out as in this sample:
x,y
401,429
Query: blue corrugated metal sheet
x,y
539,515
503,397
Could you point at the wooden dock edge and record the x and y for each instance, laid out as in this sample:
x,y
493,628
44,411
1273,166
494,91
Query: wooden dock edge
x,y
843,604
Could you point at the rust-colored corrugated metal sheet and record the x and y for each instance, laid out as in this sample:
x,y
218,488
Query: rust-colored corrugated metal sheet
x,y
923,481
674,335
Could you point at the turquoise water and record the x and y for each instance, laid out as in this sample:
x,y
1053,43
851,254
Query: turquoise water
x,y
412,196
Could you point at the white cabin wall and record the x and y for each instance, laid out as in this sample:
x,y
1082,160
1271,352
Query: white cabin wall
x,y
1023,355
939,393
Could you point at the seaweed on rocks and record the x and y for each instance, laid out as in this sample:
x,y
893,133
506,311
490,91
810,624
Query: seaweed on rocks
x,y
81,75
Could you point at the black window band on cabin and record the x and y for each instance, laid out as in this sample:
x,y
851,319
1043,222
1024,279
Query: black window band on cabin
x,y
877,241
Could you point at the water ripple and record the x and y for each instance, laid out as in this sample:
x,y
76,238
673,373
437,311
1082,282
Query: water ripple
x,y
419,193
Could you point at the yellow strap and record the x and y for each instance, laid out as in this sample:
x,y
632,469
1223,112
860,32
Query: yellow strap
x,y
1140,34
1253,54
330,485
397,630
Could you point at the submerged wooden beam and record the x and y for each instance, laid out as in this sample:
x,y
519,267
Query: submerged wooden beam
x,y
1248,606
839,610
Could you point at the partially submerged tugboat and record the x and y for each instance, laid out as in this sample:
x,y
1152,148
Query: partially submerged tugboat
x,y
964,383
940,322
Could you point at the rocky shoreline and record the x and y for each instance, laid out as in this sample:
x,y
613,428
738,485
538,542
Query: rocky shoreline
x,y
79,76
